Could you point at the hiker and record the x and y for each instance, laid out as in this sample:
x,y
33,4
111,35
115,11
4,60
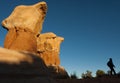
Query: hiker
x,y
111,66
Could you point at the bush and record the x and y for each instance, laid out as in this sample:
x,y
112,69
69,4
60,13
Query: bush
x,y
88,74
73,76
100,73
83,76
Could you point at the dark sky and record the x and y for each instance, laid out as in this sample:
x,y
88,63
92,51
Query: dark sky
x,y
91,29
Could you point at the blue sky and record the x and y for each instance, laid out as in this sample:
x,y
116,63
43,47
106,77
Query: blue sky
x,y
91,29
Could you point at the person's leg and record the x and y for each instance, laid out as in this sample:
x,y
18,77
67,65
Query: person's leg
x,y
110,71
114,71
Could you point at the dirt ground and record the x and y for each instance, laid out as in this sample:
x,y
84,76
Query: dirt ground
x,y
108,79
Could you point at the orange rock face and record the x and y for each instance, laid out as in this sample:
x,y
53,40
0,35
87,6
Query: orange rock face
x,y
21,41
23,25
29,18
36,54
48,46
20,67
21,63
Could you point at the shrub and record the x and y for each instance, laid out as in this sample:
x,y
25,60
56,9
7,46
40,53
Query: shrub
x,y
73,76
100,73
88,74
83,76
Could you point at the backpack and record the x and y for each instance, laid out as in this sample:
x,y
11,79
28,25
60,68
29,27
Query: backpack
x,y
108,64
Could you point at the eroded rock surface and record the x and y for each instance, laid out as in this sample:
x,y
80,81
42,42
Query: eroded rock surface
x,y
58,72
21,63
32,56
48,46
29,18
24,65
20,67
23,25
20,40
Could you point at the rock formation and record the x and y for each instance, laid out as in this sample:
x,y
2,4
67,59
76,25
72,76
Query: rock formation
x,y
48,46
22,67
58,72
29,63
23,25
29,53
27,17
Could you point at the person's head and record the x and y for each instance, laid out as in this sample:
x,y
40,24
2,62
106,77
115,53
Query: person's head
x,y
110,59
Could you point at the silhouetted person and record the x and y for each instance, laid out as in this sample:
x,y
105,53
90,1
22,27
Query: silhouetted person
x,y
111,66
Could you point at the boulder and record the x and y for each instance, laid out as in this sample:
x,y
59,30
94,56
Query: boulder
x,y
48,47
23,25
22,67
15,62
58,72
18,67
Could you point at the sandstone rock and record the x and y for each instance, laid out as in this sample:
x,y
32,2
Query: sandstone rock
x,y
22,67
23,25
58,72
21,63
20,40
37,55
29,18
48,46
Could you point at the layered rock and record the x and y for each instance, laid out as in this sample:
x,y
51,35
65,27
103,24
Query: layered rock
x,y
36,55
15,65
13,62
20,67
23,25
48,46
58,72
20,40
27,17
